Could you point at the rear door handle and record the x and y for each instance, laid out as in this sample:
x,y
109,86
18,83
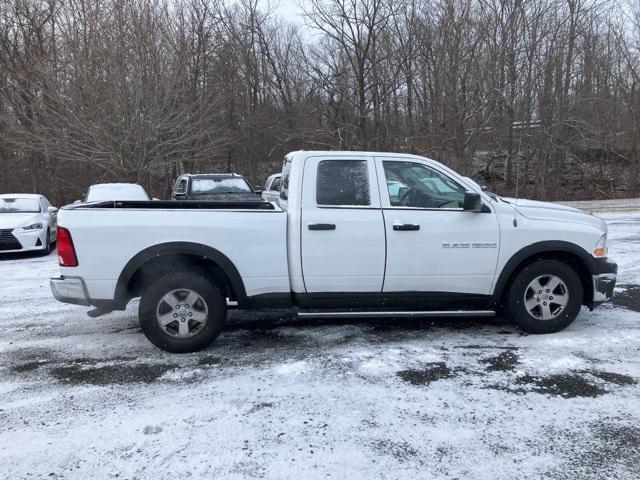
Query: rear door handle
x,y
406,226
322,226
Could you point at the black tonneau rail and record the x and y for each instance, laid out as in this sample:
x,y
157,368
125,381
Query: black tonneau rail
x,y
175,205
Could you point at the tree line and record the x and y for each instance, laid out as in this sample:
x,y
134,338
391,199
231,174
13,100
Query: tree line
x,y
535,97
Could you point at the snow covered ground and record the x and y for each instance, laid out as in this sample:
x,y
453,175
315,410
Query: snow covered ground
x,y
276,397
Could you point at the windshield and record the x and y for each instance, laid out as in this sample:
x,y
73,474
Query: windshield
x,y
19,205
99,193
207,186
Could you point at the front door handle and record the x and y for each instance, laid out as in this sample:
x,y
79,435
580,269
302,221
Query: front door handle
x,y
406,226
322,226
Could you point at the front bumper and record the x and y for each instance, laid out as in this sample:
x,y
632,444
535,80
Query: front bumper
x,y
604,281
70,290
20,240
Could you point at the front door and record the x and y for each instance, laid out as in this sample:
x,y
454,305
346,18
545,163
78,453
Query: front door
x,y
343,243
433,245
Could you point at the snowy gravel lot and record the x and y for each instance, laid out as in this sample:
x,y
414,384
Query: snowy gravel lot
x,y
276,397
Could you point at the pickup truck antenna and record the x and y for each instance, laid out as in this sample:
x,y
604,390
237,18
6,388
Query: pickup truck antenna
x,y
515,220
517,176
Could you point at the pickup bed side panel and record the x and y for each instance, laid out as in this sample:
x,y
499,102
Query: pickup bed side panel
x,y
107,239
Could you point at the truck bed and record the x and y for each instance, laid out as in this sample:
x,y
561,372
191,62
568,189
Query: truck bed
x,y
108,235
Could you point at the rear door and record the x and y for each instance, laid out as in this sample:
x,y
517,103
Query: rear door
x,y
343,239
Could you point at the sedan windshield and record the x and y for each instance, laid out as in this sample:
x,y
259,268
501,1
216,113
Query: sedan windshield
x,y
19,205
207,186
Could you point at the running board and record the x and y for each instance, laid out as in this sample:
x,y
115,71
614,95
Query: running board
x,y
429,313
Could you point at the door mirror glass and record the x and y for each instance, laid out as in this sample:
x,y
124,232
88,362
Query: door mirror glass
x,y
472,202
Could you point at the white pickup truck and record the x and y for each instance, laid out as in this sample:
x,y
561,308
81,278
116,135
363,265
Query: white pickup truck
x,y
354,234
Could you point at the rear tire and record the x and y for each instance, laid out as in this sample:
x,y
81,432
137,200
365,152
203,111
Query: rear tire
x,y
545,297
182,312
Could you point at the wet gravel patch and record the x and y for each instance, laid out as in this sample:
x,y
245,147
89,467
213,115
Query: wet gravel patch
x,y
78,374
628,297
605,450
568,385
612,377
28,367
210,360
431,372
503,362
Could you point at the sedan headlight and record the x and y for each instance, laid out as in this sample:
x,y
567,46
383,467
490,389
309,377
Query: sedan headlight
x,y
600,250
35,226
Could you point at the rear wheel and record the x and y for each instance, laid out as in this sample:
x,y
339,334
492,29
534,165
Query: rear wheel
x,y
182,312
545,297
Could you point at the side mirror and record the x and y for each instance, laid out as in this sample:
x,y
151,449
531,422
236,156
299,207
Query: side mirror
x,y
155,199
472,202
179,196
52,210
257,189
77,201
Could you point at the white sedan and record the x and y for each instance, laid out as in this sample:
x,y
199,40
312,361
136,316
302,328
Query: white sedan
x,y
27,223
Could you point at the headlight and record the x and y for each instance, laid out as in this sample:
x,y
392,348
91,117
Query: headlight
x,y
35,226
600,249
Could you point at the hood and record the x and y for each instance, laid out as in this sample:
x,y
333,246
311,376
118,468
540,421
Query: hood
x,y
525,203
229,197
536,210
15,220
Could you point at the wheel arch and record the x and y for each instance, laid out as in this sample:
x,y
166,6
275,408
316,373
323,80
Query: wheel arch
x,y
569,253
148,264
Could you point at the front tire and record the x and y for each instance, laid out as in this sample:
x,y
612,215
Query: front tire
x,y
545,297
47,244
182,312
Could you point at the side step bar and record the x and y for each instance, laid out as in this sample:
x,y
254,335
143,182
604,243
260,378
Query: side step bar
x,y
430,313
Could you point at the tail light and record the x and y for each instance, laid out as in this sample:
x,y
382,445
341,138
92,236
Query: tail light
x,y
66,251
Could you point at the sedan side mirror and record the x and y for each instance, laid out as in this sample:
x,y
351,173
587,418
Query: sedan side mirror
x,y
472,202
52,210
257,189
179,196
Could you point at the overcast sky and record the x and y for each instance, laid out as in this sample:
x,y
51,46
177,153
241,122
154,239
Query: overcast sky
x,y
286,8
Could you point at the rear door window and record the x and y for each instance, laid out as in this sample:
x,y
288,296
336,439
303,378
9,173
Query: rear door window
x,y
342,183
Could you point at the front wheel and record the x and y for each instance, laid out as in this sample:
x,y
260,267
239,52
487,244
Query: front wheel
x,y
182,312
545,297
47,244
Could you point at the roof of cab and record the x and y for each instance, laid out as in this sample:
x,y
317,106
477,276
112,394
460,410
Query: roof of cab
x,y
347,153
211,175
20,195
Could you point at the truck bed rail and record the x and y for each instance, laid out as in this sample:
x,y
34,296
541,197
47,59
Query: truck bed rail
x,y
174,205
